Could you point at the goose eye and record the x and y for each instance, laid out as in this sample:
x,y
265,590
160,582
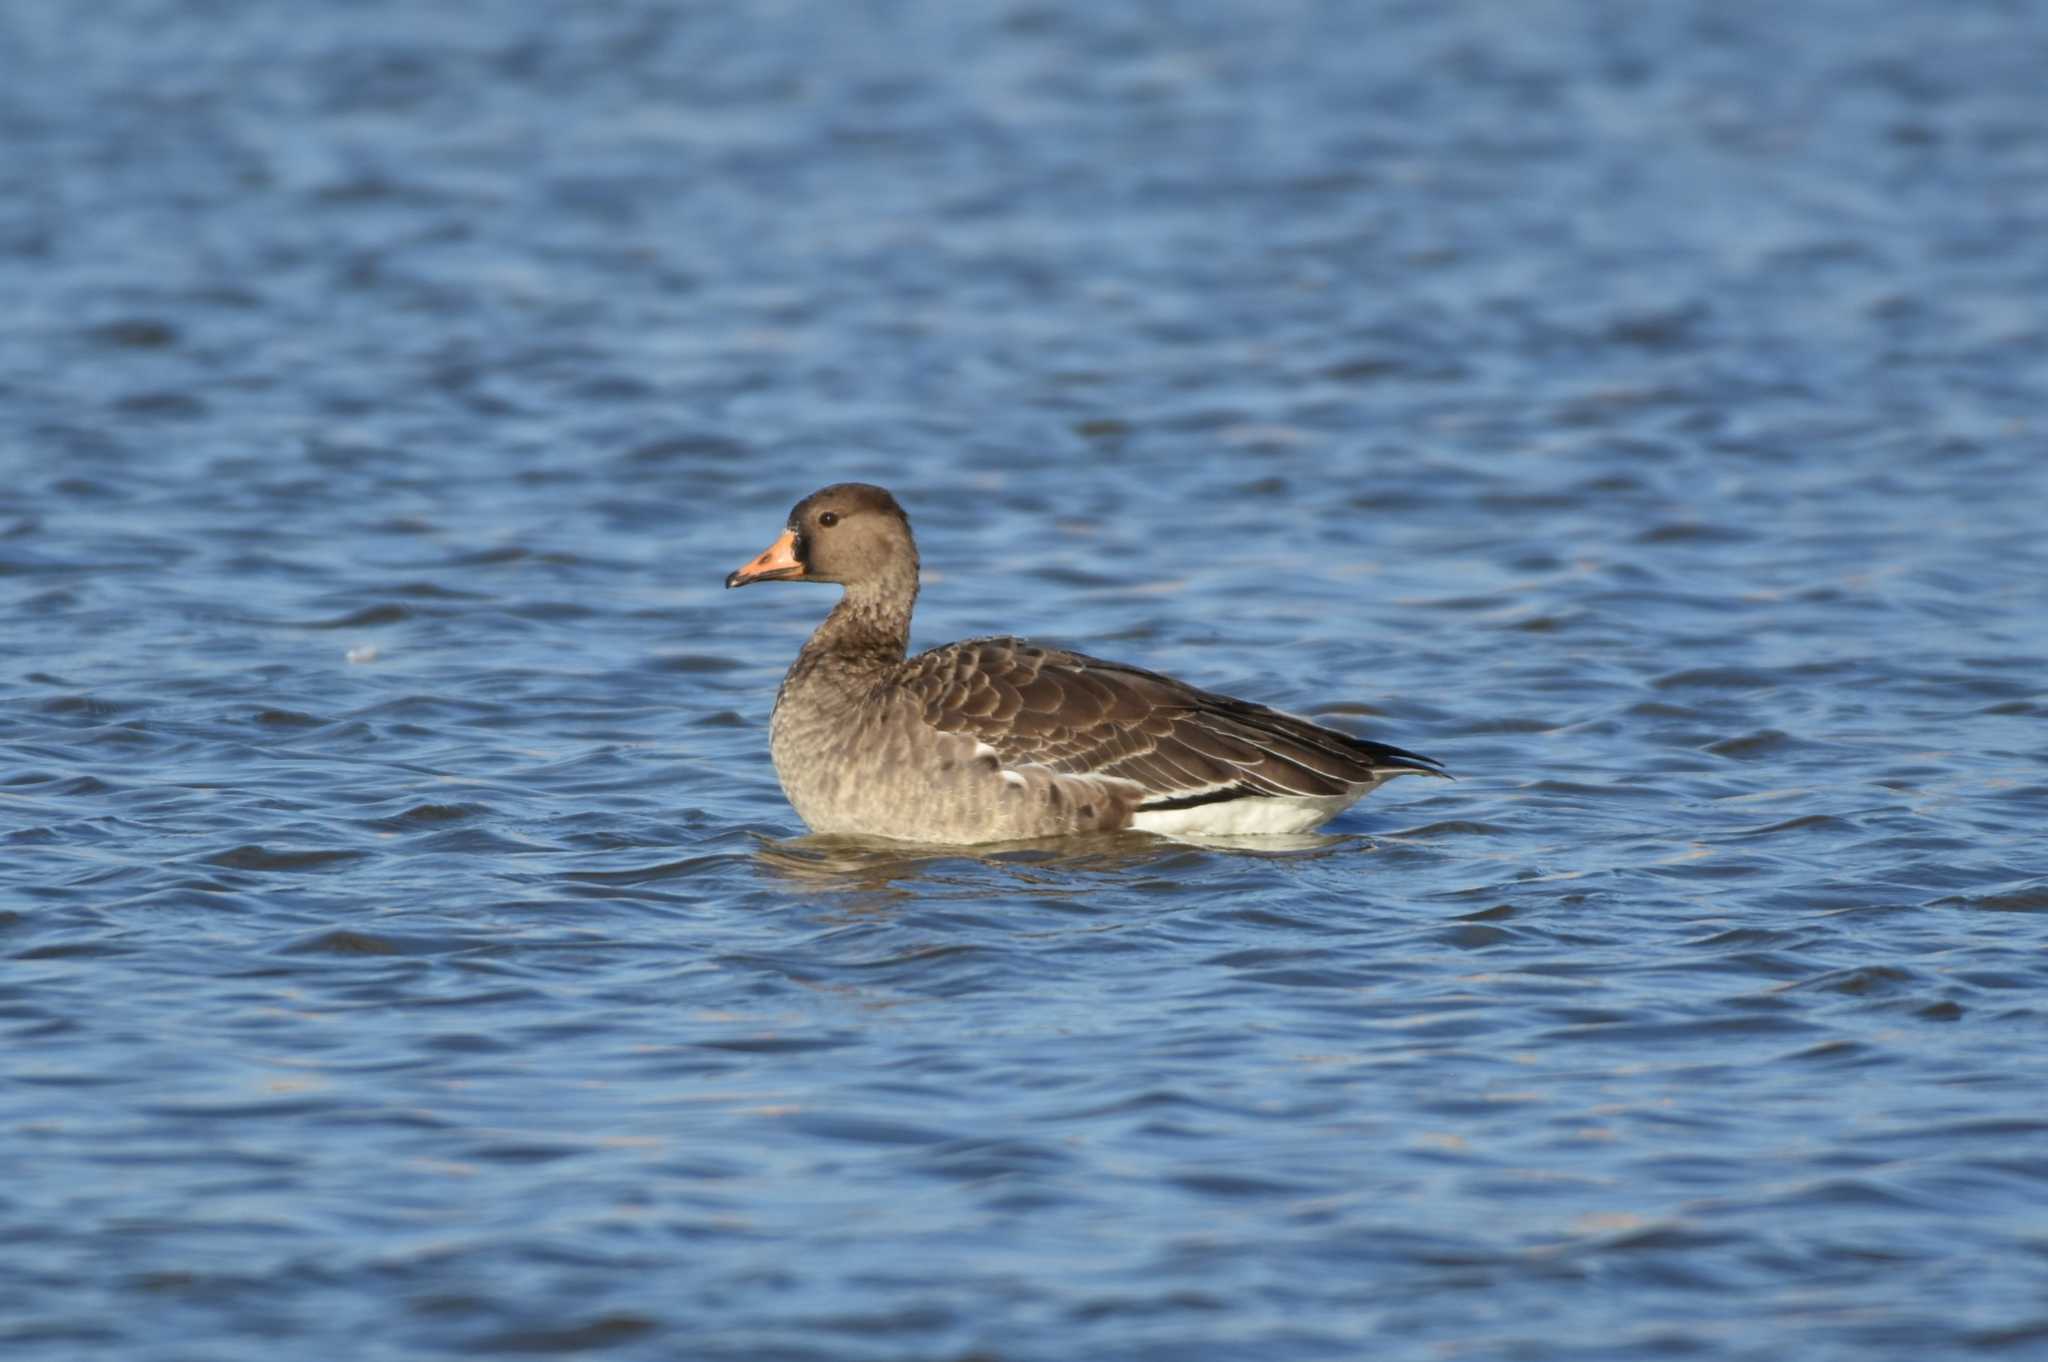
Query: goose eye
x,y
829,519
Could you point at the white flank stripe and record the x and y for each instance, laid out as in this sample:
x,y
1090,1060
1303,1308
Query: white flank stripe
x,y
1253,816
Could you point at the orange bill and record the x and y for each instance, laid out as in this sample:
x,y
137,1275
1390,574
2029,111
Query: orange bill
x,y
778,562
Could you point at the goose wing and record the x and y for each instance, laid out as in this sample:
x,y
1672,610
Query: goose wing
x,y
1182,746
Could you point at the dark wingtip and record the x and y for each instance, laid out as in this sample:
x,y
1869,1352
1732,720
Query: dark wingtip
x,y
1400,758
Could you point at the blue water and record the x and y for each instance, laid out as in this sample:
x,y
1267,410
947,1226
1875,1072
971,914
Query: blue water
x,y
408,952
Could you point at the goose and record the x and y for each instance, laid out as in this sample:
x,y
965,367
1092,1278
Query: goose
x,y
1000,739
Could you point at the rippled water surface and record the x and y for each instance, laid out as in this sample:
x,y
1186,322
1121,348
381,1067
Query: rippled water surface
x,y
408,951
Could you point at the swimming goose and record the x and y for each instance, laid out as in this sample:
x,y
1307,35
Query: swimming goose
x,y
998,739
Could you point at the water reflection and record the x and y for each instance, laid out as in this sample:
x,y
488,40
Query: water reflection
x,y
875,865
